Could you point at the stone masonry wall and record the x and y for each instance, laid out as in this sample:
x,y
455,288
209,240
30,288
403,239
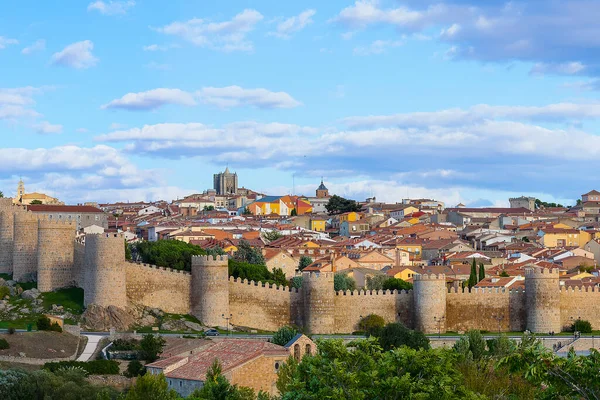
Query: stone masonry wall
x,y
6,235
78,261
25,246
104,281
56,241
393,306
157,287
580,303
256,306
482,309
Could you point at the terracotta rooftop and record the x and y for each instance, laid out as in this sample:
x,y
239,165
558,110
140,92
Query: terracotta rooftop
x,y
63,209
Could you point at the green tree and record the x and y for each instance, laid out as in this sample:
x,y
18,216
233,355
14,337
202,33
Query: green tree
x,y
396,284
395,335
208,208
4,344
362,371
294,212
473,276
33,202
248,254
471,346
246,211
151,387
481,272
305,261
134,368
296,282
271,236
173,254
376,282
217,387
504,274
371,324
150,347
582,326
279,277
342,282
284,335
340,205
1,194
128,255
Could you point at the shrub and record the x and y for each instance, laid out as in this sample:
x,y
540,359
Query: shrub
x,y
150,347
43,323
284,335
96,367
4,344
395,335
11,331
125,344
471,346
296,282
342,282
4,291
371,324
583,326
55,327
134,368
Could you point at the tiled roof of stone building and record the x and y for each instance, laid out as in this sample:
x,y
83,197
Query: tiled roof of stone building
x,y
231,353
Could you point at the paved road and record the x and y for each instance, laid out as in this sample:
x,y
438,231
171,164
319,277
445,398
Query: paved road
x,y
90,347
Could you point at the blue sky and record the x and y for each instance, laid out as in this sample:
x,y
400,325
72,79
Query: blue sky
x,y
141,100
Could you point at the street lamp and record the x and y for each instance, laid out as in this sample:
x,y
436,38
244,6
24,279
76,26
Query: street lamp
x,y
227,318
498,318
439,321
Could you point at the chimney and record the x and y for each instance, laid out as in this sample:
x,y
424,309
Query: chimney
x,y
398,258
332,260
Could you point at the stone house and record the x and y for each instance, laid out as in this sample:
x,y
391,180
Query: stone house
x,y
278,258
84,216
245,362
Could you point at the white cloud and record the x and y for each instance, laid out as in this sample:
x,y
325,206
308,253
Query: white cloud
x,y
39,45
225,36
367,12
82,130
236,96
4,42
111,7
377,47
159,47
294,24
152,99
17,103
450,31
46,127
570,68
76,55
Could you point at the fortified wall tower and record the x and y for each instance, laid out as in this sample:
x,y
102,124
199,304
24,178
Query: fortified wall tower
x,y
56,248
319,302
210,289
429,293
7,222
104,271
25,246
542,297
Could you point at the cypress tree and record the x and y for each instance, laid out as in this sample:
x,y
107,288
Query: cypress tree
x,y
481,272
473,276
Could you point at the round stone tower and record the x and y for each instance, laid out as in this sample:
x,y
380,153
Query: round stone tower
x,y
7,221
542,297
25,239
56,248
210,289
104,275
319,302
429,293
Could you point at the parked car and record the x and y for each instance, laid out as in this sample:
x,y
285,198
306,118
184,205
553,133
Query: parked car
x,y
211,332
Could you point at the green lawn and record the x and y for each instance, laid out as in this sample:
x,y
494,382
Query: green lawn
x,y
6,277
70,298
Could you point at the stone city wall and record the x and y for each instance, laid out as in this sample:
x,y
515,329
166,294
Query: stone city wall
x,y
7,222
483,309
157,287
104,275
25,246
579,303
56,243
352,306
261,306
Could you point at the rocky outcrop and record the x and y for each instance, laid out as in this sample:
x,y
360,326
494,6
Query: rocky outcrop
x,y
98,318
31,294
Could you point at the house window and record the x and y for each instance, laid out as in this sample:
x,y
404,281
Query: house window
x,y
277,366
297,352
308,350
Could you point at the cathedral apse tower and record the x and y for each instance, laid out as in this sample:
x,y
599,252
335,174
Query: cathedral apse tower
x,y
226,183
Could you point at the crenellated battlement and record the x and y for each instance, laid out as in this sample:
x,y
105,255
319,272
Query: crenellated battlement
x,y
317,275
578,289
537,272
374,292
429,277
165,269
210,261
263,285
